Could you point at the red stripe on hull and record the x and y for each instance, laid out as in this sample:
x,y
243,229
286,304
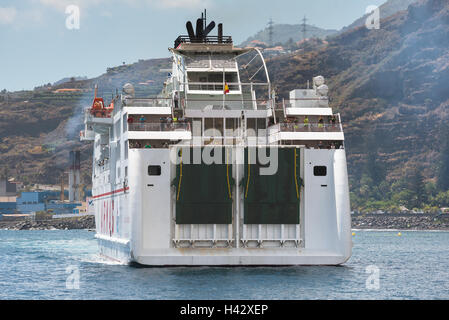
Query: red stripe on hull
x,y
110,193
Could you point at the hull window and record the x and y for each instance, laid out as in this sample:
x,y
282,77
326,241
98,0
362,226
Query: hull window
x,y
154,170
320,171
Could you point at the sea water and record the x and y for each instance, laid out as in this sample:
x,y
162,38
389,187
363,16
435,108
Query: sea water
x,y
61,264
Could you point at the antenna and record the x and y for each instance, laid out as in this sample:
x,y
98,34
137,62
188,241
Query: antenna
x,y
304,28
270,32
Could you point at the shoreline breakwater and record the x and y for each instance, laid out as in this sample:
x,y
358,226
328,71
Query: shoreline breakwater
x,y
359,221
81,222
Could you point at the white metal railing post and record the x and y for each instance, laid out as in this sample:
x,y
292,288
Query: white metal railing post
x,y
283,107
339,120
237,200
273,104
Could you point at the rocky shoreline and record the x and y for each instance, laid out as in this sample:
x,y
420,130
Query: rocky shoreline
x,y
402,222
366,221
83,222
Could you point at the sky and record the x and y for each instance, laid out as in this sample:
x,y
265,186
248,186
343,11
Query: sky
x,y
40,42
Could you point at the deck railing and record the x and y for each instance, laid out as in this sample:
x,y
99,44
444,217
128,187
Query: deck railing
x,y
149,102
158,126
230,103
92,113
286,104
207,39
311,127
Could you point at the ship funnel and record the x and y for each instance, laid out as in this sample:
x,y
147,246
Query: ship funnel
x,y
209,28
220,33
201,31
190,31
74,175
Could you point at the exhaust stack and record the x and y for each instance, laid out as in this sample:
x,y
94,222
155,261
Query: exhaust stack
x,y
74,175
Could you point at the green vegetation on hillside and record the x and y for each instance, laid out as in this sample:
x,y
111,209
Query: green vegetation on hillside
x,y
390,86
374,191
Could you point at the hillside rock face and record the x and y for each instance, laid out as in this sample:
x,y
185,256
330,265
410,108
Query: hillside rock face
x,y
39,128
390,86
386,10
282,33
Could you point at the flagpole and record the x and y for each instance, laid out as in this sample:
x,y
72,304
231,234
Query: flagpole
x,y
224,89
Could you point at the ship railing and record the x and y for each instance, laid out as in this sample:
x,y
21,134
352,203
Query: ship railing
x,y
158,126
219,86
339,121
286,104
302,127
207,39
149,102
322,98
228,103
87,135
240,96
92,113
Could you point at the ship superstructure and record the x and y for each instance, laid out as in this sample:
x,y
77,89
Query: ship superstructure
x,y
217,170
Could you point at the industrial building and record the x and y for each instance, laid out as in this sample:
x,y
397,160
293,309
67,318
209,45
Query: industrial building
x,y
47,200
7,197
36,201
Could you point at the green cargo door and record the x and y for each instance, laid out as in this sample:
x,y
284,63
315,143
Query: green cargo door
x,y
273,199
204,192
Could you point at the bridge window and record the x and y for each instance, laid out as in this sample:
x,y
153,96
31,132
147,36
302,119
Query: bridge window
x,y
213,81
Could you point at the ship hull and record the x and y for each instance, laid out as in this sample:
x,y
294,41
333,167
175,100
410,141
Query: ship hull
x,y
140,223
120,252
240,257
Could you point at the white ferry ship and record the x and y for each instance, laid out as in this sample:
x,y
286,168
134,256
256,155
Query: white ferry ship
x,y
217,170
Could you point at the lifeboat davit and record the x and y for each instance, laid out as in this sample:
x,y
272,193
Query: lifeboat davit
x,y
98,108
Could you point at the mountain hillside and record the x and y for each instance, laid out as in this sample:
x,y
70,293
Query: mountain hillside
x,y
283,33
38,128
388,9
390,86
69,79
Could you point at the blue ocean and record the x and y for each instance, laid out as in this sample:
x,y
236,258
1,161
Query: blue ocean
x,y
61,264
